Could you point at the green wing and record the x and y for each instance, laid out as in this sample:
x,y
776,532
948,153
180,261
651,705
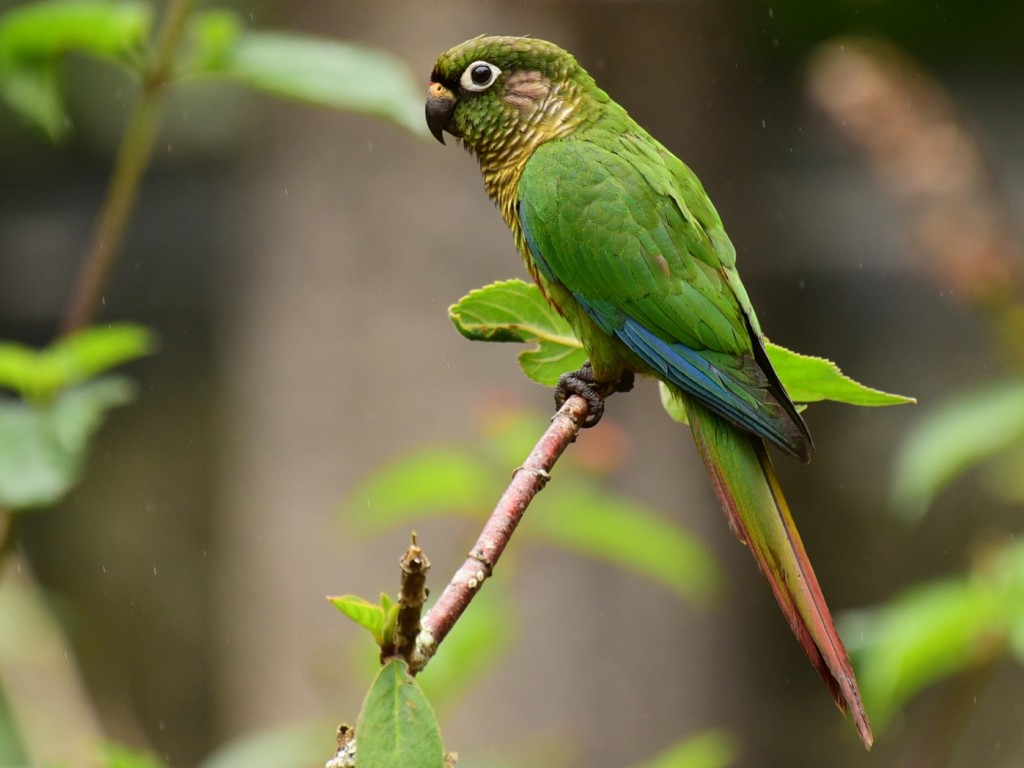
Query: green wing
x,y
628,230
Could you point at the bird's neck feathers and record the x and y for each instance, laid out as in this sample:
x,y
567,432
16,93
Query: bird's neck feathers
x,y
535,109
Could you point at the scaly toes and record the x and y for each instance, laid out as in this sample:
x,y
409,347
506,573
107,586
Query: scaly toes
x,y
582,383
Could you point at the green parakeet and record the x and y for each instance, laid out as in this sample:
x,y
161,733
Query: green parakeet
x,y
625,244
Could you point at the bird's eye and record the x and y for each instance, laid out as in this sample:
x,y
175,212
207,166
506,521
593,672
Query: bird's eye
x,y
479,76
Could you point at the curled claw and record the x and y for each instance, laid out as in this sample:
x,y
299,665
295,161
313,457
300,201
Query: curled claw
x,y
584,383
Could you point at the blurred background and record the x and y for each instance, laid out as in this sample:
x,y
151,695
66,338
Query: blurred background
x,y
297,265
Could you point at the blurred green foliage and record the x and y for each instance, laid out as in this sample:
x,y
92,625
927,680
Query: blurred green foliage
x,y
981,428
942,628
575,513
45,433
938,629
707,749
58,398
35,38
119,756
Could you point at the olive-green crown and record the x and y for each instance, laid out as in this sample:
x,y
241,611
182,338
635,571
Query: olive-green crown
x,y
508,54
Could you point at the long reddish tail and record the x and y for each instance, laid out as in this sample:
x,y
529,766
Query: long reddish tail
x,y
748,488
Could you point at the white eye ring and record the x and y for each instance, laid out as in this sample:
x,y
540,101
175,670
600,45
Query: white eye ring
x,y
473,78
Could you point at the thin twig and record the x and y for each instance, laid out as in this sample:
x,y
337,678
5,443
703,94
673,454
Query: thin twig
x,y
132,158
411,598
526,483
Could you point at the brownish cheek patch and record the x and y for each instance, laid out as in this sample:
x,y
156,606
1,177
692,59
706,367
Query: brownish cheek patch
x,y
526,90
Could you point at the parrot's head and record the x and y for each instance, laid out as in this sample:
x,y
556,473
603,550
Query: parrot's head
x,y
497,94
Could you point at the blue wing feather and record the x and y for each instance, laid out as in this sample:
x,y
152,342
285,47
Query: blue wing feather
x,y
695,375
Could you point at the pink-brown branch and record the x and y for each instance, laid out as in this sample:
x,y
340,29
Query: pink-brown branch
x,y
526,483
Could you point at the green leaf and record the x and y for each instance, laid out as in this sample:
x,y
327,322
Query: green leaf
x,y
318,71
673,404
374,617
952,439
708,749
516,311
34,36
39,374
549,360
397,728
33,91
810,379
627,534
42,447
439,480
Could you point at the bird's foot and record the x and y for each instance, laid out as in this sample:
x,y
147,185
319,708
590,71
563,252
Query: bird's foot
x,y
584,384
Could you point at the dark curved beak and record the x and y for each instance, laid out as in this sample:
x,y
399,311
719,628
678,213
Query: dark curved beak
x,y
440,107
